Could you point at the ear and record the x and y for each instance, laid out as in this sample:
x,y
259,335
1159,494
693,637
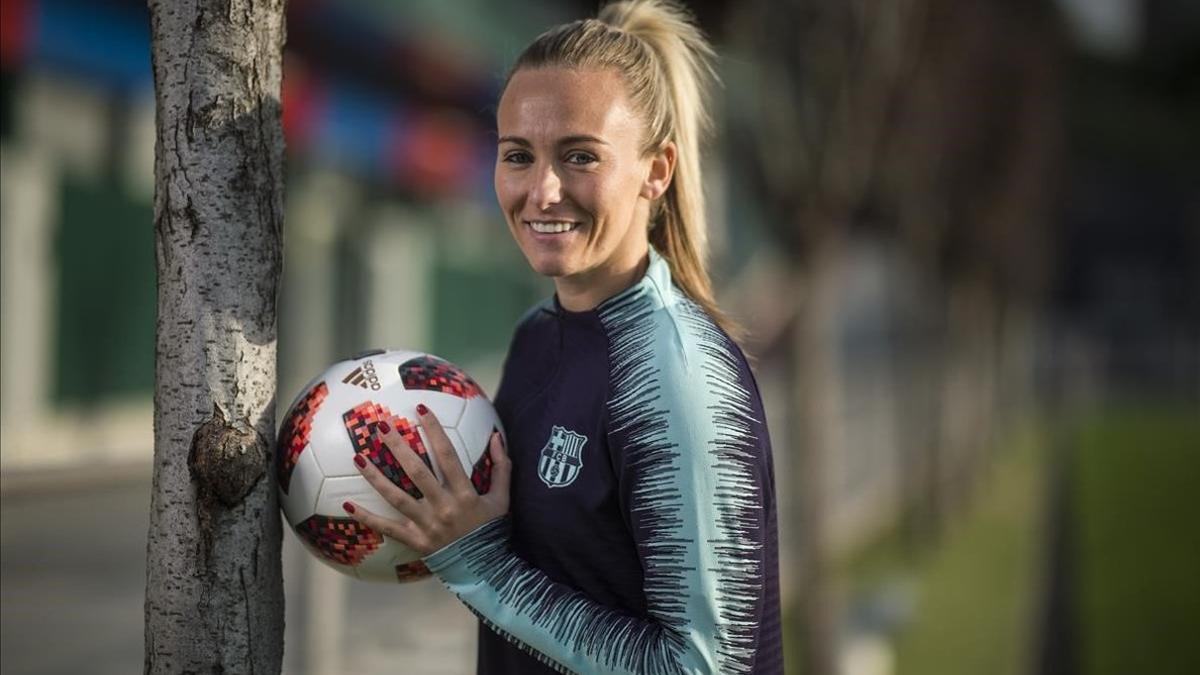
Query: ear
x,y
662,167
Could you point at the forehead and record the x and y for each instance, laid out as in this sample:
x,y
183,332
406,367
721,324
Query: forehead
x,y
543,103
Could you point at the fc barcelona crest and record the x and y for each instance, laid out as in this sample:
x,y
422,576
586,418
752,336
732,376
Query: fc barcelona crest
x,y
562,458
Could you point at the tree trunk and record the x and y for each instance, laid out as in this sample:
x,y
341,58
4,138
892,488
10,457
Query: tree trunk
x,y
815,432
214,588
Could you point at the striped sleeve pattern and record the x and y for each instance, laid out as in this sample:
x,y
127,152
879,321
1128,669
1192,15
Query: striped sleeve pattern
x,y
693,474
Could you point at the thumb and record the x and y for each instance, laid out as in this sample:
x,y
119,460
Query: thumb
x,y
501,471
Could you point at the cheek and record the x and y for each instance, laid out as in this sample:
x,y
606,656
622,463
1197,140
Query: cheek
x,y
615,196
507,192
598,193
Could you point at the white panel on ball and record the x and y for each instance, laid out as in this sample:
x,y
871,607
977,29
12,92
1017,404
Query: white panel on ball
x,y
303,487
455,440
337,491
476,428
333,449
447,407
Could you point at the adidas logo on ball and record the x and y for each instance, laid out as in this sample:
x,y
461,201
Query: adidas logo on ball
x,y
364,376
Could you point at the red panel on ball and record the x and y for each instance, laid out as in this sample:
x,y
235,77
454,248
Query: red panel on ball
x,y
412,571
362,423
293,437
481,473
342,540
433,374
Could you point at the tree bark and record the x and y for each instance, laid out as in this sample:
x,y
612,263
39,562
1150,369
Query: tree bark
x,y
214,587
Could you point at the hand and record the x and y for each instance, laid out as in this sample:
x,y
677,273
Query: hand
x,y
445,512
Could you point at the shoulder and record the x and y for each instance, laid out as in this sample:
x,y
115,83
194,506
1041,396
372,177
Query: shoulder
x,y
671,350
698,357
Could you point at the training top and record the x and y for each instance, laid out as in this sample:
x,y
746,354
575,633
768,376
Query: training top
x,y
641,536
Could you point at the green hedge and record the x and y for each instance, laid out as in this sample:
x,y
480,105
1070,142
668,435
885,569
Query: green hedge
x,y
1137,542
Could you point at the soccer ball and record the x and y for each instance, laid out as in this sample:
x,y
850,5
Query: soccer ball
x,y
337,416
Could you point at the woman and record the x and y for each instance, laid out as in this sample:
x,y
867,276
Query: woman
x,y
641,536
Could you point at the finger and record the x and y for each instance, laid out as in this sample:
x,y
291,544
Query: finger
x,y
452,469
391,493
410,452
402,531
501,470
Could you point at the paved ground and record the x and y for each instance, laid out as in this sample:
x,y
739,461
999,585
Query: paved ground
x,y
72,566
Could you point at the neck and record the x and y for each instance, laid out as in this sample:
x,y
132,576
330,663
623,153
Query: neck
x,y
580,293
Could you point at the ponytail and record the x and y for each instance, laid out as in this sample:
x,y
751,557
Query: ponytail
x,y
667,65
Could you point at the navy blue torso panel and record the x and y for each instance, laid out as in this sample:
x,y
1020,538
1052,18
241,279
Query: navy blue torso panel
x,y
575,509
641,536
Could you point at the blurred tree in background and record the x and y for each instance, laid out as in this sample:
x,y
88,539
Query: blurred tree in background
x,y
920,122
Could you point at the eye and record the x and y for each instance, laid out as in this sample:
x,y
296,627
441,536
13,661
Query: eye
x,y
580,158
517,157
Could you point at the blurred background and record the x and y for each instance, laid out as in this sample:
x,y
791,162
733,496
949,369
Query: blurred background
x,y
964,236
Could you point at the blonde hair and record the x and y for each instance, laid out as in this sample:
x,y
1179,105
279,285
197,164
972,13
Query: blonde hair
x,y
667,65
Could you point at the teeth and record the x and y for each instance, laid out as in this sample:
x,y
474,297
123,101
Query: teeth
x,y
551,227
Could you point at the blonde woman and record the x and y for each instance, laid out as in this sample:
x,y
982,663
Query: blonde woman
x,y
630,526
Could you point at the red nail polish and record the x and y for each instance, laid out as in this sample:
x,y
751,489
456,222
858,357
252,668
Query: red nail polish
x,y
348,506
362,463
421,409
383,426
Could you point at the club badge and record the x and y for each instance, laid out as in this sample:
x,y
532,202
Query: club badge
x,y
562,458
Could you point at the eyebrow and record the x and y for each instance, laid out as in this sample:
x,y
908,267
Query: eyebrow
x,y
577,138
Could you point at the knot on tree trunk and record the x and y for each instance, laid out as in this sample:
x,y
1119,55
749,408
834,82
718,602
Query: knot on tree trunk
x,y
226,460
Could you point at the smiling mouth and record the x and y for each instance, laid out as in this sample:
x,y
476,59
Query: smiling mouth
x,y
552,226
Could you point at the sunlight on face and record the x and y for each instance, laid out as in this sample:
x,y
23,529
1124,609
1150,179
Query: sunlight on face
x,y
570,175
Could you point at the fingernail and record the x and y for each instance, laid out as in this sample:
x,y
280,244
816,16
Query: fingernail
x,y
421,409
348,506
362,463
383,426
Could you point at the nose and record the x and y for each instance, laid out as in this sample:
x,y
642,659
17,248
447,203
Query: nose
x,y
546,190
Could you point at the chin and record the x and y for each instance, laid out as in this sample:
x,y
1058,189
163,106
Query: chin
x,y
548,265
550,268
